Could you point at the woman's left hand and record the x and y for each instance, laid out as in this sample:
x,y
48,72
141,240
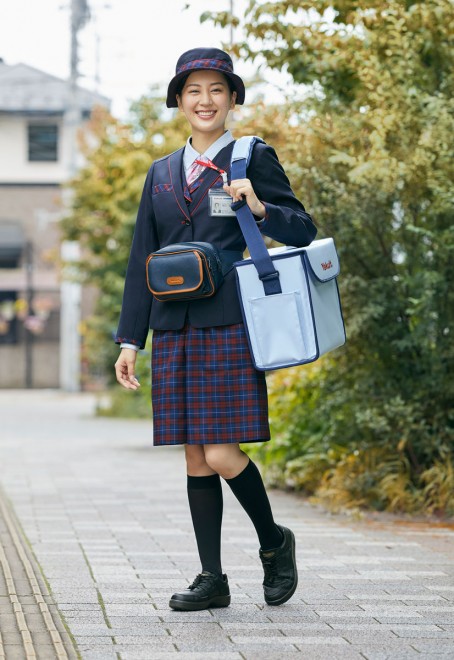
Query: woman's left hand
x,y
240,187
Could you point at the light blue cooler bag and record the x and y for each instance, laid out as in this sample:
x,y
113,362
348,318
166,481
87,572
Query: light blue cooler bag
x,y
289,296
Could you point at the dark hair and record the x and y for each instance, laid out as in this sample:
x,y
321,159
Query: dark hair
x,y
182,83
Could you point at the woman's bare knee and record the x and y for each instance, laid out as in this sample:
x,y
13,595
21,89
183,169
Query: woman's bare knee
x,y
195,462
227,460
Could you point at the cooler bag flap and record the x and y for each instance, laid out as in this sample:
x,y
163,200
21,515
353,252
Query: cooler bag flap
x,y
322,258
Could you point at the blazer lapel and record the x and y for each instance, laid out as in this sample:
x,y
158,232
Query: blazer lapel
x,y
209,176
175,165
224,157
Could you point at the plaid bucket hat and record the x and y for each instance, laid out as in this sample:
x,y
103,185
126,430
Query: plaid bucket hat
x,y
204,59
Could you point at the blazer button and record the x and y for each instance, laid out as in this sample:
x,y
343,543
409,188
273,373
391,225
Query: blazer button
x,y
187,223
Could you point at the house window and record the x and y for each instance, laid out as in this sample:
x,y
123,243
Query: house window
x,y
12,244
42,142
8,320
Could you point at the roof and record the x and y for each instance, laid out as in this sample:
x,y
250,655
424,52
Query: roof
x,y
26,89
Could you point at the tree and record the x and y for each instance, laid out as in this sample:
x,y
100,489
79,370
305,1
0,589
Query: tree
x,y
372,159
106,196
365,139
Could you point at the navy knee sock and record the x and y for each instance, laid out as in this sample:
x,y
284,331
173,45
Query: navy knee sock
x,y
249,490
206,505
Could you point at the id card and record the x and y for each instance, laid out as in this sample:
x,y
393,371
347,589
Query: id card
x,y
219,203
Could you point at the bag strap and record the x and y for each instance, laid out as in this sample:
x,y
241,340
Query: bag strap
x,y
241,155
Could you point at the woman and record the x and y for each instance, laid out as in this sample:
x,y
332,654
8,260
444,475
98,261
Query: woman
x,y
206,393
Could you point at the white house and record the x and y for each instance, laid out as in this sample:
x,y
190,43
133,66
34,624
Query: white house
x,y
36,158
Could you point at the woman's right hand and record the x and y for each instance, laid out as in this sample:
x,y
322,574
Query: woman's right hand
x,y
125,368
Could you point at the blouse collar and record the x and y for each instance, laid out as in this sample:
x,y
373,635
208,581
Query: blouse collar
x,y
190,154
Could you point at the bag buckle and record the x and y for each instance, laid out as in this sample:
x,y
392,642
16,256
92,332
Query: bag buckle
x,y
238,205
269,276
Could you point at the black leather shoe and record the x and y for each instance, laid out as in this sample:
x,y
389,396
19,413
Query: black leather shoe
x,y
279,565
207,590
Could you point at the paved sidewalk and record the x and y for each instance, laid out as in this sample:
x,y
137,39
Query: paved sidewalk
x,y
107,518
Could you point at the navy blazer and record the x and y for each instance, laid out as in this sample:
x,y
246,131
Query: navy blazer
x,y
168,214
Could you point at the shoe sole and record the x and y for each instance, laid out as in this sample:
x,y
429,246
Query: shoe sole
x,y
218,601
289,594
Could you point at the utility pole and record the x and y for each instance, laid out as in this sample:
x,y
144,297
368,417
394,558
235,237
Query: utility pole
x,y
80,14
70,291
231,24
28,332
97,61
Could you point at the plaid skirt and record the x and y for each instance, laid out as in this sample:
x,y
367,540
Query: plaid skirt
x,y
205,389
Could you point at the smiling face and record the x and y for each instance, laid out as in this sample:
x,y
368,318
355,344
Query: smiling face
x,y
206,100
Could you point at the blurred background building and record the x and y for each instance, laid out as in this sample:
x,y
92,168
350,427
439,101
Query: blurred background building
x,y
39,311
43,109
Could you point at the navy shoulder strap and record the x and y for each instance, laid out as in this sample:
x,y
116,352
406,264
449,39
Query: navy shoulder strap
x,y
241,155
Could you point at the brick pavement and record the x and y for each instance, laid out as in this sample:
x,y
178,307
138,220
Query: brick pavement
x,y
30,625
107,518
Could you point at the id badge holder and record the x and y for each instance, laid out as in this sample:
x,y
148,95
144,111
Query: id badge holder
x,y
219,203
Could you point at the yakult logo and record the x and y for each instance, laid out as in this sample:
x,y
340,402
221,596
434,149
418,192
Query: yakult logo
x,y
326,265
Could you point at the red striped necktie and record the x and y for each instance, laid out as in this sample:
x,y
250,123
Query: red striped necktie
x,y
195,170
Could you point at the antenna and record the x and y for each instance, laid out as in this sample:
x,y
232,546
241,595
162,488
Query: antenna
x,y
94,18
